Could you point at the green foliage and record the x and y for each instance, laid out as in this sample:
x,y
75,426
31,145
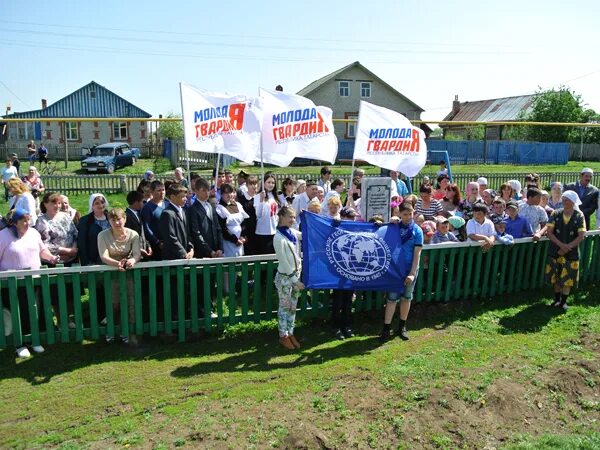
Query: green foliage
x,y
469,133
558,105
171,130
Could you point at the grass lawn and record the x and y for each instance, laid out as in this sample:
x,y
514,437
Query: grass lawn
x,y
504,372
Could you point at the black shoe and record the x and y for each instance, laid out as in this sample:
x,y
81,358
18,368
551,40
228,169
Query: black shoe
x,y
403,334
339,335
385,334
348,332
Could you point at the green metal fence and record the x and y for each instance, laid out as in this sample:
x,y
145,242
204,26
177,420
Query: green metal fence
x,y
184,297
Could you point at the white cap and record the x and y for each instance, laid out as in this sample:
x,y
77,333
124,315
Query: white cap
x,y
299,182
482,181
587,170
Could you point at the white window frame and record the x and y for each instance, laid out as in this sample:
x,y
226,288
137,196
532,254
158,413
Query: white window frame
x,y
365,88
345,88
351,127
71,131
117,129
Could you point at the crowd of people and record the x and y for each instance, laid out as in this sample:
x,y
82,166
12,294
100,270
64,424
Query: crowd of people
x,y
231,215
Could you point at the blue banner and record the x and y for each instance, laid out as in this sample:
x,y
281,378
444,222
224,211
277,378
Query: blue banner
x,y
356,255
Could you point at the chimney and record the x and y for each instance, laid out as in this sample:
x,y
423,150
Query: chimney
x,y
455,105
44,103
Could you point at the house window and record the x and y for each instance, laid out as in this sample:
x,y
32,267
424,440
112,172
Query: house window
x,y
344,88
21,131
351,126
72,131
119,131
365,89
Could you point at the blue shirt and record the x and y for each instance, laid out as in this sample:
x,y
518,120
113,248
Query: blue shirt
x,y
401,187
407,249
519,227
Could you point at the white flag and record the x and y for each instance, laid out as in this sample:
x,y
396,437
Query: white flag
x,y
387,139
221,123
294,127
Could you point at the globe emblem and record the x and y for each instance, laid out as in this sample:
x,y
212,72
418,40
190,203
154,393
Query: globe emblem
x,y
358,256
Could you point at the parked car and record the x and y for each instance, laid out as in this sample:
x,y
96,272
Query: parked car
x,y
109,157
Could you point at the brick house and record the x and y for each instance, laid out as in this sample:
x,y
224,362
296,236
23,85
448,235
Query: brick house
x,y
91,101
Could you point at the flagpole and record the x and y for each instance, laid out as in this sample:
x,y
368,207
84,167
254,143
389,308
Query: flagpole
x,y
217,171
185,149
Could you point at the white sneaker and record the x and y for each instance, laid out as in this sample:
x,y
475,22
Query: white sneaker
x,y
38,349
23,352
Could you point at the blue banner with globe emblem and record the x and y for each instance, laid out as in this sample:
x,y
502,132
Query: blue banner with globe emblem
x,y
353,255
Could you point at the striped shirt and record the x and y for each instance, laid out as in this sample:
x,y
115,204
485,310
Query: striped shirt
x,y
435,208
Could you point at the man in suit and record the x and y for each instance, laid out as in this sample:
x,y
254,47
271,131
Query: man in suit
x,y
173,226
587,193
205,231
150,215
135,200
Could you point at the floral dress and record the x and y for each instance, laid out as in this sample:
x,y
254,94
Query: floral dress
x,y
59,231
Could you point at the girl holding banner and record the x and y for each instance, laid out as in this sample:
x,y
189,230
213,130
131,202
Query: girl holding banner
x,y
411,238
267,205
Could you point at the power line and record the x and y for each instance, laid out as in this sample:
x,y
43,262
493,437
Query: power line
x,y
265,47
236,57
246,36
15,95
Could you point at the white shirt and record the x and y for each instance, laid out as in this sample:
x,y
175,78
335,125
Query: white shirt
x,y
300,204
9,172
207,208
266,215
486,228
27,202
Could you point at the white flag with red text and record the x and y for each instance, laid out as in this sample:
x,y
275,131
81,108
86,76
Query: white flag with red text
x,y
293,126
221,123
387,139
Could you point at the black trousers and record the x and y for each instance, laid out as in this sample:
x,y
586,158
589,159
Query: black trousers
x,y
264,244
341,308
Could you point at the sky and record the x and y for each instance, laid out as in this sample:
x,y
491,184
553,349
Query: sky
x,y
429,51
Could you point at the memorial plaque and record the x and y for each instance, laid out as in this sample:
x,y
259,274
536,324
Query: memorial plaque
x,y
375,199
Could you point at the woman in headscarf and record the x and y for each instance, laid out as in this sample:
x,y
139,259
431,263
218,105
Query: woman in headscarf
x,y
90,227
516,185
22,248
566,230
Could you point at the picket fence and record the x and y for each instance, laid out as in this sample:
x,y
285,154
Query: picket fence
x,y
177,297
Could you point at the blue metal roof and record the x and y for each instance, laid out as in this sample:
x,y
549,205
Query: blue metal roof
x,y
92,100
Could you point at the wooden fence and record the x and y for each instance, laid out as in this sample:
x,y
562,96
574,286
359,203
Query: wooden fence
x,y
112,184
178,296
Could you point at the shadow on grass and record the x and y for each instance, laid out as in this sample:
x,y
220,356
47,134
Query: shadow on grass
x,y
260,351
530,320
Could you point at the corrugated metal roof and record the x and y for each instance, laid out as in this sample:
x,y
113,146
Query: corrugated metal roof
x,y
498,109
92,100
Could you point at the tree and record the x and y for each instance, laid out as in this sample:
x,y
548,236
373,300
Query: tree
x,y
555,105
171,130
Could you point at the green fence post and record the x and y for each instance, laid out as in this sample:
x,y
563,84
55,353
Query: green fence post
x,y
470,257
244,292
168,319
207,298
431,261
460,287
528,267
231,275
15,312
48,311
92,304
194,299
451,283
110,321
256,303
440,275
518,266
2,332
477,271
76,283
180,303
152,313
499,250
123,303
485,282
219,282
269,289
137,296
535,269
62,307
33,311
512,268
418,291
